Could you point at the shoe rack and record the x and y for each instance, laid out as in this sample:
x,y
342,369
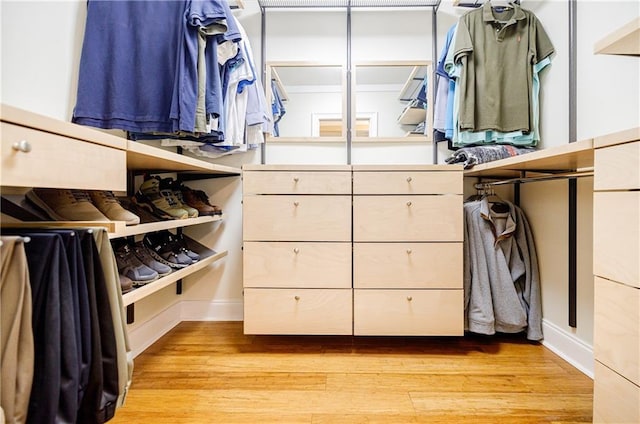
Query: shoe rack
x,y
38,151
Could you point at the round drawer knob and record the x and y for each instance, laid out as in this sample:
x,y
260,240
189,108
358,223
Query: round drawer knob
x,y
296,203
409,179
21,146
409,298
296,297
409,203
409,251
296,179
296,250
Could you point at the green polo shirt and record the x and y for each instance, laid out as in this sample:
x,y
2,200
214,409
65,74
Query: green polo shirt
x,y
497,49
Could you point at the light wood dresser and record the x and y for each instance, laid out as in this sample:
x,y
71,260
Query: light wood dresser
x,y
616,262
297,249
398,272
407,250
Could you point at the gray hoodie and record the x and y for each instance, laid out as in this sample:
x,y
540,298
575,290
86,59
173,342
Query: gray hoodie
x,y
501,280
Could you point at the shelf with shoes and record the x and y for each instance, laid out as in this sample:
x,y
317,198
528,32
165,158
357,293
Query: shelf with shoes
x,y
207,257
40,152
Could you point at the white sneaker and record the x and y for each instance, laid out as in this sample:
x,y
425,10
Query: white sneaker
x,y
109,205
65,205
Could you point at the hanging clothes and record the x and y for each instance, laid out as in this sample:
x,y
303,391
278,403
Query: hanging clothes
x,y
152,83
16,334
81,362
495,60
501,279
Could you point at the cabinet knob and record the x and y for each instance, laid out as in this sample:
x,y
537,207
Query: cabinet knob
x,y
296,250
409,203
296,203
296,179
409,179
296,297
21,146
409,251
409,298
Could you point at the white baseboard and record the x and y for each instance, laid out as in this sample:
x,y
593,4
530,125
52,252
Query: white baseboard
x,y
217,310
147,333
568,347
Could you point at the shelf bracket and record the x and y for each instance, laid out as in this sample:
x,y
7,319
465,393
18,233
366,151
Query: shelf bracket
x,y
130,313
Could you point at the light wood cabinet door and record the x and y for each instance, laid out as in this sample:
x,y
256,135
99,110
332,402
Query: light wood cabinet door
x,y
56,161
615,399
616,236
408,312
298,311
407,182
297,218
616,333
297,264
407,265
617,167
296,182
407,218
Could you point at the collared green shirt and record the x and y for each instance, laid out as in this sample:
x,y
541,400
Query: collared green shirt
x,y
497,48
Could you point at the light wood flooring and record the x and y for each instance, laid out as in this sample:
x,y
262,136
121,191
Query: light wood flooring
x,y
209,372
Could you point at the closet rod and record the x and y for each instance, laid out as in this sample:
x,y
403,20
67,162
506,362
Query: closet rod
x,y
564,176
19,239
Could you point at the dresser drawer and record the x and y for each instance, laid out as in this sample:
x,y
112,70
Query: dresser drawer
x,y
616,236
407,218
60,162
408,312
407,265
407,182
296,182
616,336
297,311
615,399
297,264
297,218
616,167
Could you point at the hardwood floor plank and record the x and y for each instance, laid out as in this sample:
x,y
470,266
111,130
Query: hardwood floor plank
x,y
209,372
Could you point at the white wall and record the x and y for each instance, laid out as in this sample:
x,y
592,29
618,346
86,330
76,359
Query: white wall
x,y
40,57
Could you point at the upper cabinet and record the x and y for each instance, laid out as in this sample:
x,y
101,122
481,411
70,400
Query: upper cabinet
x,y
624,41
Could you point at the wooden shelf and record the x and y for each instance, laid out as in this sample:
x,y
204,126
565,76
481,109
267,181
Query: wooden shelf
x,y
619,137
132,230
567,158
142,157
412,116
412,86
149,289
39,122
624,41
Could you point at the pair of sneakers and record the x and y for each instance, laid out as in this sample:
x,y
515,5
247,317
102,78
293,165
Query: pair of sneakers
x,y
80,205
163,198
135,263
170,249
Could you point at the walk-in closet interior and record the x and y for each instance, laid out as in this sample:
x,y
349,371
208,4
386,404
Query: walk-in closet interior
x,y
369,185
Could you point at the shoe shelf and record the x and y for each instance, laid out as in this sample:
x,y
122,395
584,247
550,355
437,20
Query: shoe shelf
x,y
142,157
119,229
148,289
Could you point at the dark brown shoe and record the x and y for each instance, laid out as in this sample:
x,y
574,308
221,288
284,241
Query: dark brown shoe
x,y
199,200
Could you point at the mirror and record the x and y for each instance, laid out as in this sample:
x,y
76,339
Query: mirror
x,y
308,101
393,96
389,101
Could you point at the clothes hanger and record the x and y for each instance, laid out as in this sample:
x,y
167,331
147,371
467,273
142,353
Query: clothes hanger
x,y
497,205
501,4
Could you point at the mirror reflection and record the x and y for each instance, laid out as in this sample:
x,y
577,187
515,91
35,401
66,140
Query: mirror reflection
x,y
394,98
389,101
307,101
